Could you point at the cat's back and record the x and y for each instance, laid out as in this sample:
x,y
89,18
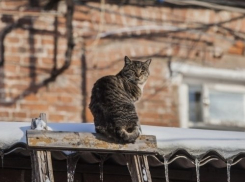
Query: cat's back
x,y
107,92
105,87
106,82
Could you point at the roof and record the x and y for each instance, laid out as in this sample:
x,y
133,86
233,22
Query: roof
x,y
169,140
181,147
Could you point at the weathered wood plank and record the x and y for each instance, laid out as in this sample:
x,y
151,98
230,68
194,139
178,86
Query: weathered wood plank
x,y
57,140
42,169
139,168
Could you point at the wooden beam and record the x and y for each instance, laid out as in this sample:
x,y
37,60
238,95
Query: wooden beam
x,y
139,168
42,169
57,140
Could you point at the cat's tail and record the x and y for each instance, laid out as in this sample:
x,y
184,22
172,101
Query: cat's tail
x,y
130,137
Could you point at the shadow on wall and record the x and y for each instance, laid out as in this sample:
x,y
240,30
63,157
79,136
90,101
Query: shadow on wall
x,y
26,23
31,67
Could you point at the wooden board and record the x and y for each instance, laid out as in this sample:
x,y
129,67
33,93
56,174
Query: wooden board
x,y
42,168
139,168
57,140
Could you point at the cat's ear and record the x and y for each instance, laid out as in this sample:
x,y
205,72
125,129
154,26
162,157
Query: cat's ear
x,y
148,62
127,60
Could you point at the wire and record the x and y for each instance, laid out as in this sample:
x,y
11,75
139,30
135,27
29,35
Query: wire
x,y
102,21
30,13
207,5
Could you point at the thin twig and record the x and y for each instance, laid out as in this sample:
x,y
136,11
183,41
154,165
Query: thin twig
x,y
31,13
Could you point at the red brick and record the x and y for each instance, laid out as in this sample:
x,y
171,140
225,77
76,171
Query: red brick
x,y
160,123
89,116
20,31
11,49
242,27
61,20
240,44
10,68
13,4
81,16
51,99
48,61
26,70
169,116
76,62
30,61
37,107
19,115
34,114
154,123
48,41
65,99
31,97
62,41
56,117
150,115
12,59
74,117
19,86
82,8
50,51
11,40
67,108
4,114
237,48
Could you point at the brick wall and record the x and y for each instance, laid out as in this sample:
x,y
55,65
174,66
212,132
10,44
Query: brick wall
x,y
35,45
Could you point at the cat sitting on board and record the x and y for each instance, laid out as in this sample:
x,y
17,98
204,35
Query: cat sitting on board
x,y
113,98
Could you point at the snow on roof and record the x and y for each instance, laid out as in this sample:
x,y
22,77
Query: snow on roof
x,y
196,142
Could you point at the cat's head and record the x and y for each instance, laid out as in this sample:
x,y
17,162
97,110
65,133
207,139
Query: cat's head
x,y
136,71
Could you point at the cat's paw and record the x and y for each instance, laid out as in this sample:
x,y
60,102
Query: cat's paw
x,y
100,129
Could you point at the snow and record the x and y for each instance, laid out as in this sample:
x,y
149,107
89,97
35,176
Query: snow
x,y
195,142
15,132
40,125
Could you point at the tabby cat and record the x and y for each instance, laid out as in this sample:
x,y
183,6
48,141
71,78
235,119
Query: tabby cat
x,y
113,98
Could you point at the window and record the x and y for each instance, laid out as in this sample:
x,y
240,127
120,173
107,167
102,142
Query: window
x,y
226,106
215,105
195,103
211,98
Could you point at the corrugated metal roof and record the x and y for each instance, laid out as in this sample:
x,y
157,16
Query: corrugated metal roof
x,y
178,147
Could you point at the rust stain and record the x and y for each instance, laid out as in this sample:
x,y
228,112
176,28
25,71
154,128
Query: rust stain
x,y
75,140
86,142
68,137
40,140
101,145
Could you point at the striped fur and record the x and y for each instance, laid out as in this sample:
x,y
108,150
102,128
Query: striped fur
x,y
113,98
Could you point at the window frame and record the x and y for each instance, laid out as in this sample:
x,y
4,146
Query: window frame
x,y
196,75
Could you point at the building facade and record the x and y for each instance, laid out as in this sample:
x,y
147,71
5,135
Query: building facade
x,y
197,61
